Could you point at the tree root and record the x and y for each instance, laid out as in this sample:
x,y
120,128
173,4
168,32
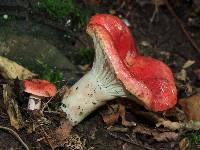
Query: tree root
x,y
16,135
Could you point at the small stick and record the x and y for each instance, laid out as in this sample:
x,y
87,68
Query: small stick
x,y
129,141
47,138
182,26
46,104
16,135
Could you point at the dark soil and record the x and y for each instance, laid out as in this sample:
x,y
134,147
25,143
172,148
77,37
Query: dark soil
x,y
164,35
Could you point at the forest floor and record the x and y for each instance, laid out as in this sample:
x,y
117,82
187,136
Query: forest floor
x,y
163,38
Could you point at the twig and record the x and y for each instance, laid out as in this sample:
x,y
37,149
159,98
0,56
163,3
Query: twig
x,y
129,141
47,138
16,135
181,24
156,10
46,104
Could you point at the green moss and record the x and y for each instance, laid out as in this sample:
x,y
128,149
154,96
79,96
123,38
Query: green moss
x,y
193,137
48,73
64,10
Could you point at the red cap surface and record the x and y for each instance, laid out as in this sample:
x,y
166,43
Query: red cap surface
x,y
118,32
39,87
150,80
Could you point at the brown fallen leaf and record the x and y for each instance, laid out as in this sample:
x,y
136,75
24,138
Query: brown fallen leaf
x,y
122,113
156,134
191,106
184,144
113,114
166,136
182,75
192,125
117,129
11,70
169,124
110,117
188,63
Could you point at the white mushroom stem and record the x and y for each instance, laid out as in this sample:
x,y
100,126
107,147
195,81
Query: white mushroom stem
x,y
34,102
93,90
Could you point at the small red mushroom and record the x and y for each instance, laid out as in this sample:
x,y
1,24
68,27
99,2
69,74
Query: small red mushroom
x,y
38,89
118,71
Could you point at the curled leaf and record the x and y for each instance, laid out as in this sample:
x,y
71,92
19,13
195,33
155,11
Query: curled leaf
x,y
11,70
184,144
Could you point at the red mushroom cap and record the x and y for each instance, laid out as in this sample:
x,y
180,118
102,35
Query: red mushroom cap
x,y
39,87
150,80
118,31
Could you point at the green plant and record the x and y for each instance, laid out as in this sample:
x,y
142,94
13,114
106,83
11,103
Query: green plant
x,y
64,9
46,72
193,137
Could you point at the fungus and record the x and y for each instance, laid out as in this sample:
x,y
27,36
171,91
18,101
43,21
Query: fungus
x,y
38,90
118,71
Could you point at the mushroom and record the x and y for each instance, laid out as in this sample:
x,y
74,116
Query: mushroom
x,y
118,71
38,90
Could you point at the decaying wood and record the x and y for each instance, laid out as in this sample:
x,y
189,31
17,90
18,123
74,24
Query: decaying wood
x,y
12,107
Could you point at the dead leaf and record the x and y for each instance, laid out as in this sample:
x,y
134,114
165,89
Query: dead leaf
x,y
156,134
166,136
110,118
184,144
143,130
12,107
188,63
169,124
145,44
117,129
192,125
113,114
182,75
11,70
122,113
191,106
